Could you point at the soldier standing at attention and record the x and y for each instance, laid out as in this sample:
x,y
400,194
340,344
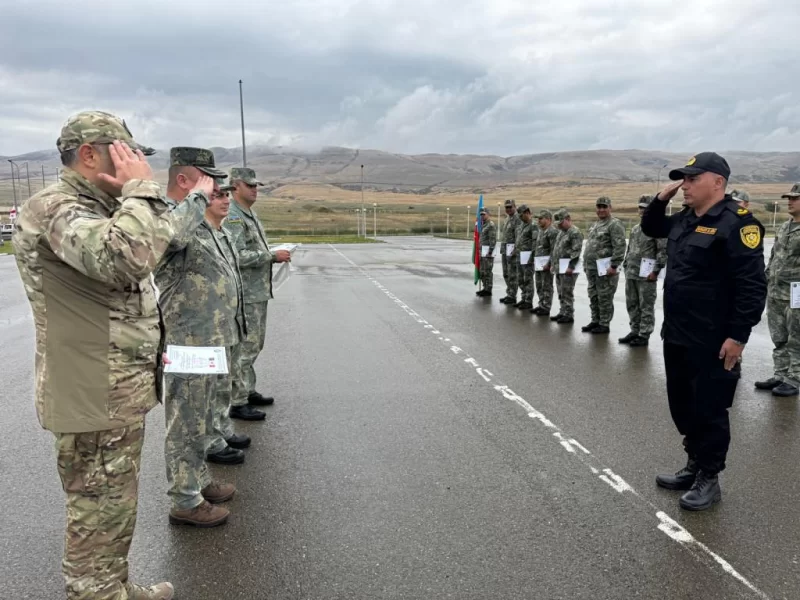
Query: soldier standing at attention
x,y
569,244
783,271
86,248
714,293
509,236
545,242
255,262
641,292
526,240
605,240
742,198
199,298
488,238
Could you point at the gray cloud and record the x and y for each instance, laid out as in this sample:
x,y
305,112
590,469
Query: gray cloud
x,y
502,77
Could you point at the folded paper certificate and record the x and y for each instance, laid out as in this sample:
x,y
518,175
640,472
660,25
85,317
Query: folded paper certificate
x,y
196,360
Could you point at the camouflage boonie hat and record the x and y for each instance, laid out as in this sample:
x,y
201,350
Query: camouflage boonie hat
x,y
794,193
244,174
509,203
544,214
740,196
96,127
645,200
603,201
201,158
560,215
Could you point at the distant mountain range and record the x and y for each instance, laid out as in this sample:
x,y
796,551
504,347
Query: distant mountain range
x,y
420,172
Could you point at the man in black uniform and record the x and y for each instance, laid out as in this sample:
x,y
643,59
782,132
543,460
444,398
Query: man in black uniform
x,y
715,291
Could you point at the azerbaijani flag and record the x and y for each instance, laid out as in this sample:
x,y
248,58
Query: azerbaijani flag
x,y
476,243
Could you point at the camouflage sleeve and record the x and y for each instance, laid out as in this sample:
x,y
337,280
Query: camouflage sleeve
x,y
248,259
553,233
627,251
125,247
617,243
575,247
493,236
186,218
661,254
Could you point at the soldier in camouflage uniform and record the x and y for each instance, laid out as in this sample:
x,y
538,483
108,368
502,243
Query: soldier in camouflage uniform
x,y
545,243
86,248
509,236
488,238
200,299
605,239
742,198
641,292
782,271
527,234
255,262
568,245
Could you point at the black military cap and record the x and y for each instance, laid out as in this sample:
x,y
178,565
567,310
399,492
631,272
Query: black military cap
x,y
710,162
202,158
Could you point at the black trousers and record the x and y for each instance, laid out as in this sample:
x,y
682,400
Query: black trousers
x,y
700,392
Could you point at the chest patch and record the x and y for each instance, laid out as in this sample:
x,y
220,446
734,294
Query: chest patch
x,y
234,220
751,236
706,230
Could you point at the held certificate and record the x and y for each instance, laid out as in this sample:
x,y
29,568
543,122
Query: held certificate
x,y
196,360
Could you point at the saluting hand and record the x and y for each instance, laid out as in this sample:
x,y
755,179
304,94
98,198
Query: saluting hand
x,y
668,193
731,352
204,184
128,165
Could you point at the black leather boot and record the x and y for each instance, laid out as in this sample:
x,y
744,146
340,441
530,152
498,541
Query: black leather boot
x,y
682,480
627,338
704,493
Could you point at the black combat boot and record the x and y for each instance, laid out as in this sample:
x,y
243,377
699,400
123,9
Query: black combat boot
x,y
590,327
562,320
769,384
785,390
600,329
556,317
627,339
639,341
704,493
682,480
256,399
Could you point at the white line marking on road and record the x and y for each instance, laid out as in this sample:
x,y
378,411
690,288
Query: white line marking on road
x,y
666,525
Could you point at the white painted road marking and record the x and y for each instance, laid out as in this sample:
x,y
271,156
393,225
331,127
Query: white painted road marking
x,y
666,525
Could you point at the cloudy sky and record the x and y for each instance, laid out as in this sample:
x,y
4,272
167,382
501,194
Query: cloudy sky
x,y
464,76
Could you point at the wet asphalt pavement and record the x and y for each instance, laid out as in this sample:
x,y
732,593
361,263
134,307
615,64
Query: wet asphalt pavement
x,y
428,444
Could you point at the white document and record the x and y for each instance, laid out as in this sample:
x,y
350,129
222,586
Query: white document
x,y
647,267
540,262
196,360
525,257
509,249
603,265
795,302
485,251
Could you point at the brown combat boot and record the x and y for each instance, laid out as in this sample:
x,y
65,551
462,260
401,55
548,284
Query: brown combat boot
x,y
217,493
204,515
160,591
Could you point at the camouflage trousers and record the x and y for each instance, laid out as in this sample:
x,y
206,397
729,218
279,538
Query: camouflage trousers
x,y
566,294
487,275
510,274
784,329
187,408
525,279
544,288
256,317
228,387
99,472
640,298
601,296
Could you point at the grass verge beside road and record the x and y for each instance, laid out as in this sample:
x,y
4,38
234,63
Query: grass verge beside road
x,y
7,248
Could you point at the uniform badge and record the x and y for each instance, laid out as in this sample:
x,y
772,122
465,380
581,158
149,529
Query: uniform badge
x,y
706,230
691,161
751,236
742,211
234,219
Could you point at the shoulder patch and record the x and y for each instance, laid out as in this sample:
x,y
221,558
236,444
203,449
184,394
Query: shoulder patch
x,y
742,211
751,236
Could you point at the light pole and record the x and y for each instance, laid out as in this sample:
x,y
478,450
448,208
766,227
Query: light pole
x,y
774,214
448,221
43,183
498,214
468,221
375,219
658,184
362,199
28,175
13,185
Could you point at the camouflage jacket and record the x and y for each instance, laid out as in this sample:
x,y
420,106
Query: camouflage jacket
x,y
199,294
526,237
255,258
509,233
489,236
606,238
784,261
546,242
568,245
86,260
641,246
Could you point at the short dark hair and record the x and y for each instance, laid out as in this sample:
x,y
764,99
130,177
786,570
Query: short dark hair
x,y
68,157
176,170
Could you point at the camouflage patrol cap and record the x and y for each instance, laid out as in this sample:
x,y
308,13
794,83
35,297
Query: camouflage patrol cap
x,y
794,193
509,203
96,127
740,196
645,200
201,158
523,208
483,211
603,201
544,214
560,215
244,174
